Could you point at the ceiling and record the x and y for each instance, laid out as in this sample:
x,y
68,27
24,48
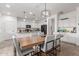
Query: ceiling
x,y
17,9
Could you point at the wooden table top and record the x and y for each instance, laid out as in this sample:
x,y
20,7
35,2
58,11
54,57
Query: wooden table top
x,y
31,41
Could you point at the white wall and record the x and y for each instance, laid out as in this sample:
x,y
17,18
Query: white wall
x,y
2,29
22,24
71,22
8,26
43,21
77,41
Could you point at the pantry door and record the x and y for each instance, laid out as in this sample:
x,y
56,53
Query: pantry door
x,y
2,30
52,25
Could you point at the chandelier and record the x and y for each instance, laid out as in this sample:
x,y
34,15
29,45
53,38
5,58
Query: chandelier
x,y
45,12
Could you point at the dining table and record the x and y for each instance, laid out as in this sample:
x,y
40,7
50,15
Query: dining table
x,y
27,42
31,41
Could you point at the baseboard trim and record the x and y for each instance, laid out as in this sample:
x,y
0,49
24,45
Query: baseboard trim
x,y
69,43
5,40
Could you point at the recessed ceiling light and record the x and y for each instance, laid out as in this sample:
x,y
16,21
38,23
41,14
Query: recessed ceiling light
x,y
25,16
43,16
24,19
7,5
0,14
8,13
34,21
30,13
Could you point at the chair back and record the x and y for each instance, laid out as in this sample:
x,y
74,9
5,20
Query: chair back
x,y
49,42
17,46
57,41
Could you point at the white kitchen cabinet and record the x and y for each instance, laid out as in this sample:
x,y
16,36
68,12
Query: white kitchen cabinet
x,y
8,27
69,37
2,29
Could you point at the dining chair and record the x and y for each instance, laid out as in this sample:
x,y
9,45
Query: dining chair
x,y
36,47
48,45
57,44
19,51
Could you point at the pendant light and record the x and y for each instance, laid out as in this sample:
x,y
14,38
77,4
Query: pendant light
x,y
24,16
45,13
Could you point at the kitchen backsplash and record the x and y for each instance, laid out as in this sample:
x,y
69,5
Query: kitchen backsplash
x,y
67,29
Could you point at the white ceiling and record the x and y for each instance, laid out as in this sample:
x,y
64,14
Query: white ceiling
x,y
17,9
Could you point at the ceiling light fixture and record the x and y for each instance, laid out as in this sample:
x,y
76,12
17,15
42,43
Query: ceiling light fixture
x,y
7,5
8,13
30,13
0,14
45,13
25,16
24,20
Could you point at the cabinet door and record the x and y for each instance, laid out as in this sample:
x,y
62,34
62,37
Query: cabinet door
x,y
52,24
8,26
2,30
11,28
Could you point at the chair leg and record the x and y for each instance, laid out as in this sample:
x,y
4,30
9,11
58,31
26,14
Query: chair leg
x,y
55,52
59,45
15,51
60,48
